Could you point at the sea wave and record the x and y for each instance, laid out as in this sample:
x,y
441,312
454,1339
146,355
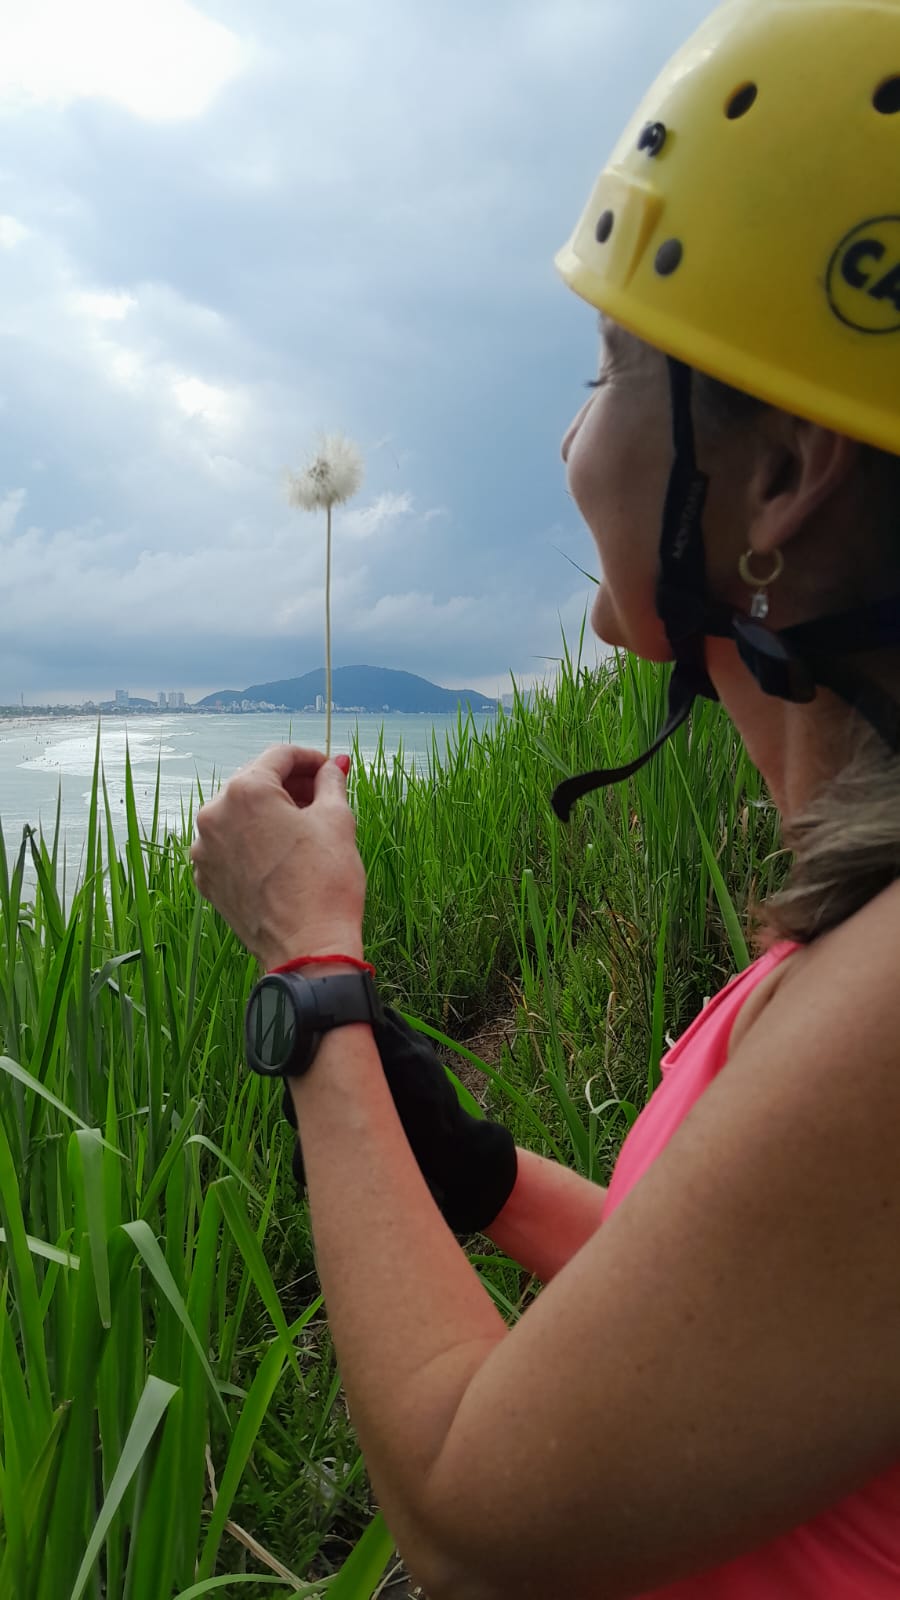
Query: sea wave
x,y
76,755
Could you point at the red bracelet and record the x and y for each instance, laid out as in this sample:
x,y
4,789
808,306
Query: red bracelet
x,y
321,961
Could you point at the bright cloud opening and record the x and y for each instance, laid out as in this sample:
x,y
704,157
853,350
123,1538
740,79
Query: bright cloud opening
x,y
10,506
12,232
206,400
163,61
104,307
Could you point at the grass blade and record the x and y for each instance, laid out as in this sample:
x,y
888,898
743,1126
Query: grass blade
x,y
727,907
151,1409
206,1585
251,1250
26,1297
86,1152
364,1566
252,1413
148,1248
23,1076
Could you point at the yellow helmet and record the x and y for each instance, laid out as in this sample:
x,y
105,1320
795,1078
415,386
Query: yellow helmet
x,y
748,221
748,225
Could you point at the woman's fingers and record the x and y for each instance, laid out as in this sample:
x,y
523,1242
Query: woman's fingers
x,y
296,769
275,852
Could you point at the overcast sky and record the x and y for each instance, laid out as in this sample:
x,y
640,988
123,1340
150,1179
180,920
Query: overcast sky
x,y
227,225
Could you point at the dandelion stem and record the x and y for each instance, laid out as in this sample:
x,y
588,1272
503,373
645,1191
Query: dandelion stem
x,y
328,632
331,478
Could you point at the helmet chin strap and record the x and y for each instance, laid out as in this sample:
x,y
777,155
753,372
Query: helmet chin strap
x,y
788,665
680,595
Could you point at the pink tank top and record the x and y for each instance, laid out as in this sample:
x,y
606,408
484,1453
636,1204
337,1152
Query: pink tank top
x,y
851,1552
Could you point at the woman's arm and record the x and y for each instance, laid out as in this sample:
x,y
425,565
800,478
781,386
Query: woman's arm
x,y
550,1214
714,1366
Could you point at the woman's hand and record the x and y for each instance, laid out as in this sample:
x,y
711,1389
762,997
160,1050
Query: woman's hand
x,y
276,854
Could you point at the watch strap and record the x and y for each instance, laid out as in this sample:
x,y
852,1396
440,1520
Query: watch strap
x,y
341,998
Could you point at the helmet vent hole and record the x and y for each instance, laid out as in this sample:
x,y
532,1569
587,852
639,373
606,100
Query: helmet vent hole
x,y
886,98
653,138
741,101
605,226
668,257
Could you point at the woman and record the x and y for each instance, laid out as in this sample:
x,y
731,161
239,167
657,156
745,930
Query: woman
x,y
704,1401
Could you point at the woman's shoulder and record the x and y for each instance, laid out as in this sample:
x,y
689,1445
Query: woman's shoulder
x,y
856,964
774,971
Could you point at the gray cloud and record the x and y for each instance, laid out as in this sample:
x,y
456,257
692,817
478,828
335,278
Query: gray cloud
x,y
354,230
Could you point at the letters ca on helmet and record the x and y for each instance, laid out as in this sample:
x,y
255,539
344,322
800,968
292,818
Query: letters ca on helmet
x,y
864,277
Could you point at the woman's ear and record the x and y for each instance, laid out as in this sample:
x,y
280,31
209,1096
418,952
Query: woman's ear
x,y
800,467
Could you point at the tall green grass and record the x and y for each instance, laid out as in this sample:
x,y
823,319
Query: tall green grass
x,y
170,1414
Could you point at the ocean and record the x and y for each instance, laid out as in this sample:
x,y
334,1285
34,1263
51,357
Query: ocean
x,y
49,759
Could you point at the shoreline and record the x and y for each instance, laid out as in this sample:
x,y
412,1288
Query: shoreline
x,y
23,719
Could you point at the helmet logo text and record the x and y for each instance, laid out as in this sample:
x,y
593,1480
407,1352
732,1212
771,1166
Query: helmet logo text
x,y
864,277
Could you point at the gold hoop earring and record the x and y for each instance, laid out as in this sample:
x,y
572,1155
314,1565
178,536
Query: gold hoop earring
x,y
759,605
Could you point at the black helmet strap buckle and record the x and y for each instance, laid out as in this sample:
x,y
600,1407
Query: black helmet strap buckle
x,y
777,670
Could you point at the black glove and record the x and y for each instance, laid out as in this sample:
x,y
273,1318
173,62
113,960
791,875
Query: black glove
x,y
468,1163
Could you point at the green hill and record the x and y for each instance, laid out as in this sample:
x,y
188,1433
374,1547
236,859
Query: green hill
x,y
363,688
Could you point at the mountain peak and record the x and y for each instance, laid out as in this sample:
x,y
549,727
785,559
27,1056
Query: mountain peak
x,y
359,688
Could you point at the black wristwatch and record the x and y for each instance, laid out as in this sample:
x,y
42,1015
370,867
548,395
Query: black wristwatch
x,y
287,1015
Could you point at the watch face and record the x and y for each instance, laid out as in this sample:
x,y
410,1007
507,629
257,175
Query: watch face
x,y
271,1028
287,1016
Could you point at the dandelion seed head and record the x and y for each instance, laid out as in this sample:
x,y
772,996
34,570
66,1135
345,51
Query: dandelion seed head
x,y
333,474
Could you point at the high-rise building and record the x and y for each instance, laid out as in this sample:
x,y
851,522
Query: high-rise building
x,y
122,698
177,700
161,699
320,702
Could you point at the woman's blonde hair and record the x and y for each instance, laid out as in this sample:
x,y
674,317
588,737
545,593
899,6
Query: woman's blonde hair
x,y
845,845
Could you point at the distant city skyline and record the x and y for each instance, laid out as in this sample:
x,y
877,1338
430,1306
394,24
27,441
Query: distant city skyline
x,y
494,686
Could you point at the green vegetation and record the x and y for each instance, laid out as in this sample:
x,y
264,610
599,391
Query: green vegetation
x,y
160,1326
